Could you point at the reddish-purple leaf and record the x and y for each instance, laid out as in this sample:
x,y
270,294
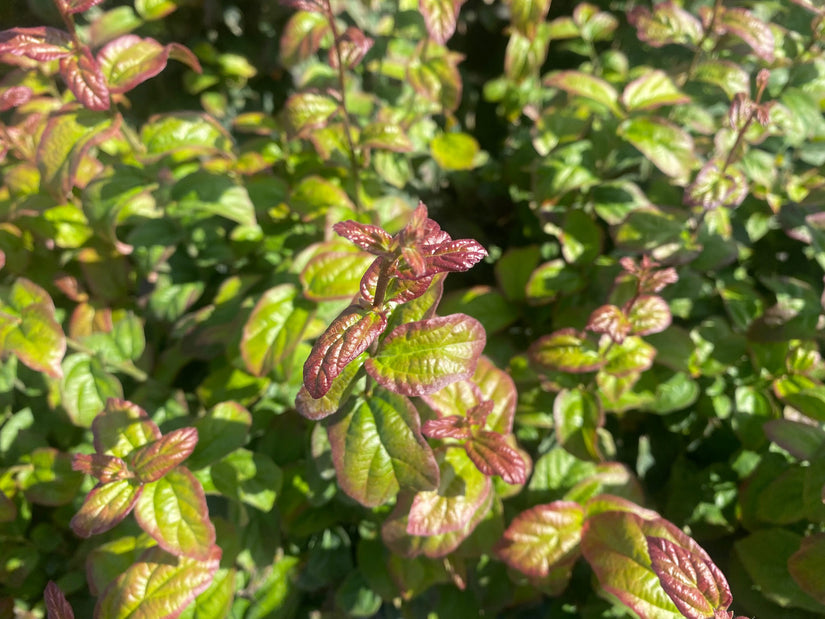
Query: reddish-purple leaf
x,y
542,539
104,468
611,320
415,267
454,256
714,187
347,337
648,314
462,489
85,80
748,27
668,23
447,427
421,357
41,43
313,6
173,511
806,565
440,17
335,397
57,606
154,460
14,96
105,506
353,46
370,238
122,427
697,587
157,586
565,350
492,455
68,7
398,290
477,415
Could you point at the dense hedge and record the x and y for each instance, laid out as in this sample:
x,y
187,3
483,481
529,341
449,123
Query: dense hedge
x,y
236,381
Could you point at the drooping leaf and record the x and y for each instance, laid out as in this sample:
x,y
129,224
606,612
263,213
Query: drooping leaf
x,y
347,337
41,43
492,455
462,489
57,606
422,357
565,350
250,477
368,237
666,145
440,17
302,36
378,449
105,506
649,313
173,511
695,585
335,397
587,86
543,539
157,585
154,460
652,90
86,387
85,79
122,427
334,275
273,330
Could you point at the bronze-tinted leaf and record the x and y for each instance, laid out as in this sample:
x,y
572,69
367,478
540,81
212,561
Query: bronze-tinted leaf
x,y
153,460
611,320
104,468
105,506
41,43
368,237
57,606
85,79
649,313
353,46
492,455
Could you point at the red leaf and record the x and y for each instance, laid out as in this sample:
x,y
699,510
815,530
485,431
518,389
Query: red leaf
x,y
478,414
104,468
370,238
313,6
57,605
415,261
347,337
85,80
697,587
398,290
455,256
611,320
354,45
14,96
446,427
68,7
492,455
41,43
154,460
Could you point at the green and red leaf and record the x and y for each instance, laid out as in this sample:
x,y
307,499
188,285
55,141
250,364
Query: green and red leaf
x,y
346,337
335,397
440,17
334,274
694,583
85,79
57,606
157,585
492,455
41,43
129,60
652,90
69,7
422,357
368,237
649,313
543,539
586,86
308,110
122,427
378,449
748,27
565,350
173,511
353,45
611,320
806,565
103,468
577,416
154,460
105,506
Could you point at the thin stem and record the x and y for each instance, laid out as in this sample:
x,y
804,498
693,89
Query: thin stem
x,y
342,86
381,285
740,136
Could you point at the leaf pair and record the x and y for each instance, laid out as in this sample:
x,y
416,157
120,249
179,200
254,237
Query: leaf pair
x,y
138,468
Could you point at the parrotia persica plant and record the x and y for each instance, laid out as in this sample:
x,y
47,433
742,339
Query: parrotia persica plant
x,y
236,381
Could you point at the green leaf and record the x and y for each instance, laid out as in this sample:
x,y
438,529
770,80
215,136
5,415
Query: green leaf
x,y
105,562
334,274
667,146
173,511
222,430
799,439
151,10
30,332
378,449
50,480
550,279
440,17
581,239
455,151
129,60
158,585
543,540
105,506
727,75
121,428
313,196
810,401
652,90
587,86
86,387
387,136
216,600
632,355
273,330
302,36
277,596
514,268
216,194
355,597
807,565
766,555
565,350
649,313
154,460
308,110
525,15
185,135
422,357
485,304
577,416
250,477
614,544
8,508
462,489
437,79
